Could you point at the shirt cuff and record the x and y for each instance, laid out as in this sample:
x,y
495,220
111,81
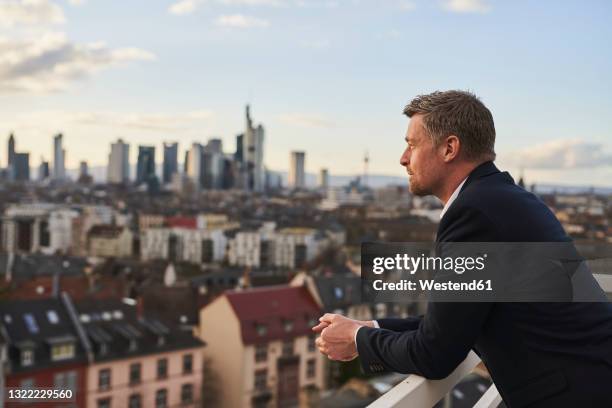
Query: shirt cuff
x,y
376,326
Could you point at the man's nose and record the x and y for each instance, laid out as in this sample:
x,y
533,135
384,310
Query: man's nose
x,y
405,159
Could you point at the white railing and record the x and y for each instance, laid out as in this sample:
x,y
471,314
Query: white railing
x,y
418,392
605,281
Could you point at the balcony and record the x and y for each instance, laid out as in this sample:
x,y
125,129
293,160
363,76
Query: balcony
x,y
416,391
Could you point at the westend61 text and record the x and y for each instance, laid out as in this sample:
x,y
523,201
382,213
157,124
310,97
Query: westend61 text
x,y
432,285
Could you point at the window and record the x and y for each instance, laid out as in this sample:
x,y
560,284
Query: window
x,y
104,403
187,363
135,401
28,383
262,330
261,379
261,352
27,357
187,393
52,316
62,351
104,379
65,380
287,348
311,342
30,322
311,368
207,251
134,373
300,255
288,325
162,368
161,398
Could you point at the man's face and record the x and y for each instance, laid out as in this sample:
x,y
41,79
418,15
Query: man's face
x,y
421,159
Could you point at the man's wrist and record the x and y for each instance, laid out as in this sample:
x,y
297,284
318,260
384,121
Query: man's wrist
x,y
370,323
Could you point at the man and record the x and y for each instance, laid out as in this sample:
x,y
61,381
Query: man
x,y
538,354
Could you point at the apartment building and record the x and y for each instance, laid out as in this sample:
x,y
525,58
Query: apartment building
x,y
39,227
110,241
44,348
137,360
261,347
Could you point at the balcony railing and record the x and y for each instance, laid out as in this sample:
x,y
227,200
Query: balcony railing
x,y
416,391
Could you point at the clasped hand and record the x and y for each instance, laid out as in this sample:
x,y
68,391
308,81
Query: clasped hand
x,y
337,340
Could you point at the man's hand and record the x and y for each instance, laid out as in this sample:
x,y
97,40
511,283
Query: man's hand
x,y
337,339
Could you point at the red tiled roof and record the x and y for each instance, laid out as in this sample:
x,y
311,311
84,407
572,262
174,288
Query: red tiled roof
x,y
273,307
182,222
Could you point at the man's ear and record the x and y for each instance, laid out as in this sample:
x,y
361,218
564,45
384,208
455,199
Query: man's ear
x,y
450,148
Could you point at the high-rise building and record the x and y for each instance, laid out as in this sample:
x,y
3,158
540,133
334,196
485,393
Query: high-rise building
x,y
214,146
170,162
193,162
119,163
296,170
239,155
43,170
253,145
59,158
83,169
21,166
10,160
324,179
11,150
145,167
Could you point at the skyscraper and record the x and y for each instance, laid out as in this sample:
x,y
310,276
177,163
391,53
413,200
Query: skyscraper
x,y
11,150
21,166
253,145
239,155
83,169
145,167
10,167
170,162
43,170
324,179
119,163
59,169
296,170
214,146
194,164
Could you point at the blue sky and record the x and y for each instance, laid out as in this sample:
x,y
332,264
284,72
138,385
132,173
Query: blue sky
x,y
326,76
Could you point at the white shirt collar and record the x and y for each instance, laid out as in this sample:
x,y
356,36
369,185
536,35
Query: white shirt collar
x,y
452,198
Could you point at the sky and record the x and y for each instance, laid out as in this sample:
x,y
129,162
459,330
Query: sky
x,y
329,77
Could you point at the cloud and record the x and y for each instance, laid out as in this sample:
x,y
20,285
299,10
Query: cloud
x,y
184,7
467,6
322,44
306,120
407,5
30,12
49,62
269,3
76,2
561,154
155,121
241,21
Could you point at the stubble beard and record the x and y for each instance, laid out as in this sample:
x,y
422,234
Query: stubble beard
x,y
416,189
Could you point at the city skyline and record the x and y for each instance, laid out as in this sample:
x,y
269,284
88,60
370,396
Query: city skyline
x,y
327,78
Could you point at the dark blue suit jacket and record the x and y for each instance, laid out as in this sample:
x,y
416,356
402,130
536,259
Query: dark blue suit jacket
x,y
538,354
